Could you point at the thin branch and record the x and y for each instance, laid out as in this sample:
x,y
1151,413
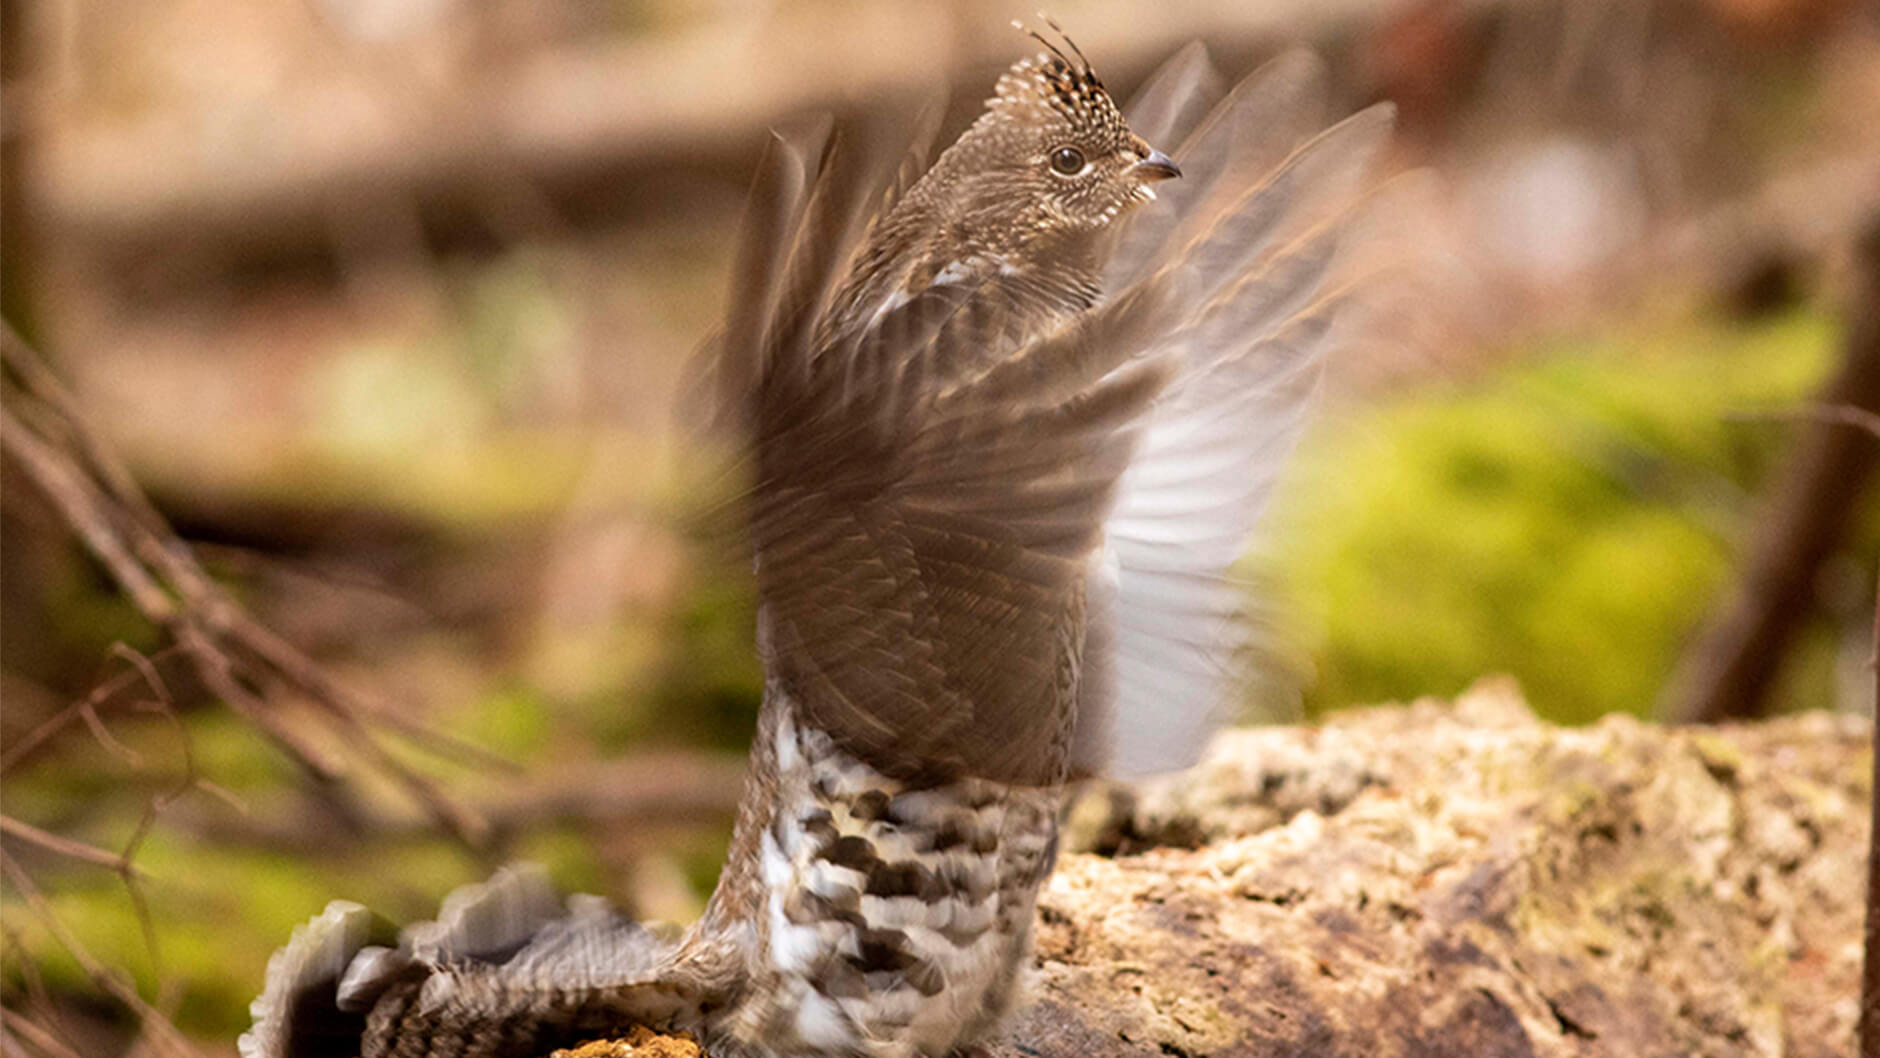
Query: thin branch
x,y
123,863
100,694
78,850
189,780
645,789
237,658
164,1036
38,1035
83,509
1808,508
39,381
1833,414
38,1001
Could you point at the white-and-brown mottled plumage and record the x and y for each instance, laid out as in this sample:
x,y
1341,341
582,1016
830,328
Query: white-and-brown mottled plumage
x,y
1009,425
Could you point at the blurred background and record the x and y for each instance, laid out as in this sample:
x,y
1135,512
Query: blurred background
x,y
386,305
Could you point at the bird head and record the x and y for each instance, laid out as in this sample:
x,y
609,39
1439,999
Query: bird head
x,y
1050,161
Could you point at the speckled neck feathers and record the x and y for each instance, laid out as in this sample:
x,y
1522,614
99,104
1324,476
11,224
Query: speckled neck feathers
x,y
993,208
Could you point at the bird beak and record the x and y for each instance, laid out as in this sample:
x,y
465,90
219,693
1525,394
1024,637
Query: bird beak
x,y
1157,166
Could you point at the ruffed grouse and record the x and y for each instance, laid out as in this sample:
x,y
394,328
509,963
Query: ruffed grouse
x,y
1011,423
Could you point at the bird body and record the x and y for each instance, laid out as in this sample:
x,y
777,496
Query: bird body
x,y
890,917
1009,424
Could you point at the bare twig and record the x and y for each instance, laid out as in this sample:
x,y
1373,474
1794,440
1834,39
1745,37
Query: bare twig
x,y
38,1007
189,780
84,510
34,1033
165,1038
77,850
236,657
646,789
123,863
1832,414
105,691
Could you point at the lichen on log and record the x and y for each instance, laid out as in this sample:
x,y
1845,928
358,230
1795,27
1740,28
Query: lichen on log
x,y
1441,879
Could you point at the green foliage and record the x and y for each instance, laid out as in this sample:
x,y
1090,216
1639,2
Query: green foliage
x,y
712,688
237,904
85,614
515,724
1567,519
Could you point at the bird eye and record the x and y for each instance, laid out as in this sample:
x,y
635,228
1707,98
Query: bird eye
x,y
1067,161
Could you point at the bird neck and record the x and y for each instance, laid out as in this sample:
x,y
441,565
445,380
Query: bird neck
x,y
933,239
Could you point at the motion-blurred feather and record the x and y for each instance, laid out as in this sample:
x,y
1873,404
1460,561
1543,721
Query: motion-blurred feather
x,y
1008,428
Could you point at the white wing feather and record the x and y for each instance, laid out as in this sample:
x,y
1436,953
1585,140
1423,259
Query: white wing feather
x,y
1256,223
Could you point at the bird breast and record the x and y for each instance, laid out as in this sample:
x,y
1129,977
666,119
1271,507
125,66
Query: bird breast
x,y
894,917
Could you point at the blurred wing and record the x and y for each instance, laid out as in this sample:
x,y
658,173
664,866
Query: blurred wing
x,y
930,474
1256,223
1261,121
1176,97
922,529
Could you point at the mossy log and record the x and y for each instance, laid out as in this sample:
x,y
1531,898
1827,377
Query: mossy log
x,y
1463,880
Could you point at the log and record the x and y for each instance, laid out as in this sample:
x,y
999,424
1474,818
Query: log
x,y
1439,880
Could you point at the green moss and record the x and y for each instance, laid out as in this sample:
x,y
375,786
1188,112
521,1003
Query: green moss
x,y
711,687
215,915
512,723
1567,520
701,854
569,857
87,614
1721,756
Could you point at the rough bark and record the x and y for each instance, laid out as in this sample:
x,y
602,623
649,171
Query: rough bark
x,y
1467,881
1441,880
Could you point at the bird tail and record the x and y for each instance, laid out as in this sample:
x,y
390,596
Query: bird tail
x,y
298,1013
505,968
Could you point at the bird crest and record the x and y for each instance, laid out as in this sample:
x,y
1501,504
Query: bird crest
x,y
1059,79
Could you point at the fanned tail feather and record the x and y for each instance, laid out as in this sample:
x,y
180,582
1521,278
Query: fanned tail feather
x,y
298,1013
504,969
